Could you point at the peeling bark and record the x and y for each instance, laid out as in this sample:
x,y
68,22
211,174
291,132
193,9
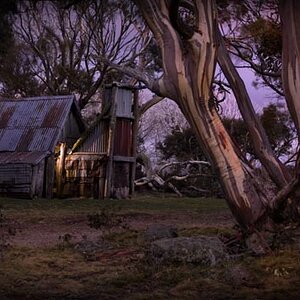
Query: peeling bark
x,y
276,170
189,66
290,18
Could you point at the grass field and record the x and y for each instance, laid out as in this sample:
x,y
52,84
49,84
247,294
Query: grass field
x,y
44,259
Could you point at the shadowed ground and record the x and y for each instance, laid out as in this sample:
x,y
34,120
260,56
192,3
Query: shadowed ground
x,y
53,253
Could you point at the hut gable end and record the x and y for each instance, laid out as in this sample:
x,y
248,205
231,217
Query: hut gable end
x,y
30,130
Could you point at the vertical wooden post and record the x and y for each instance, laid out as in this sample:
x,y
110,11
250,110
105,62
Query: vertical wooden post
x,y
110,149
135,126
60,165
38,180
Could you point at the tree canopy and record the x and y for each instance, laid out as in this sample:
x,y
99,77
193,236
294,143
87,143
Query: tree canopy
x,y
57,47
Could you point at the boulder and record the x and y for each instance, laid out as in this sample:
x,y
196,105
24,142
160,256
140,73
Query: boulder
x,y
201,249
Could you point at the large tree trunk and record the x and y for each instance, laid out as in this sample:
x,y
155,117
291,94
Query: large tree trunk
x,y
276,170
290,18
189,60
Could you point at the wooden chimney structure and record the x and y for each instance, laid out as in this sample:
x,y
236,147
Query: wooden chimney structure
x,y
121,145
103,161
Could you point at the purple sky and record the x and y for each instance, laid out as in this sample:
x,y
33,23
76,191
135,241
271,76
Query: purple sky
x,y
260,96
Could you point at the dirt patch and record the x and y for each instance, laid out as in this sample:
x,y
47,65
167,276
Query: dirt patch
x,y
181,220
51,231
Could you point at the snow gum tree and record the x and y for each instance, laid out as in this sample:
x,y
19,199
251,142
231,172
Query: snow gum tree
x,y
190,43
290,13
186,33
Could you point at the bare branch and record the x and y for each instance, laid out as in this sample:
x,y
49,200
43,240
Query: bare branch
x,y
149,81
184,163
155,99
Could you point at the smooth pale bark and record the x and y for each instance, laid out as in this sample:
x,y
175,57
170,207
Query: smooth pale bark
x,y
189,67
276,170
290,18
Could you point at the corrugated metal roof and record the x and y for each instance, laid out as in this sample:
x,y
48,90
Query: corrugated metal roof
x,y
44,139
9,139
22,157
33,124
96,139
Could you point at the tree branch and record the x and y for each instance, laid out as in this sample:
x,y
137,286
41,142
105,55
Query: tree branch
x,y
190,162
149,81
277,171
155,99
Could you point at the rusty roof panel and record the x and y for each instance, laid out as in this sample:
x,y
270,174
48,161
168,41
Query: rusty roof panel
x,y
44,139
36,112
26,116
56,115
22,157
25,139
33,124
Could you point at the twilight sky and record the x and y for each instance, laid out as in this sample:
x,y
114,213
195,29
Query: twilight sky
x,y
260,96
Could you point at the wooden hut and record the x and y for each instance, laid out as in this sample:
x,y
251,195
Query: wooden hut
x,y
102,163
33,135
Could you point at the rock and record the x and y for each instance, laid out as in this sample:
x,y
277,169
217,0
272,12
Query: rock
x,y
201,249
159,231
